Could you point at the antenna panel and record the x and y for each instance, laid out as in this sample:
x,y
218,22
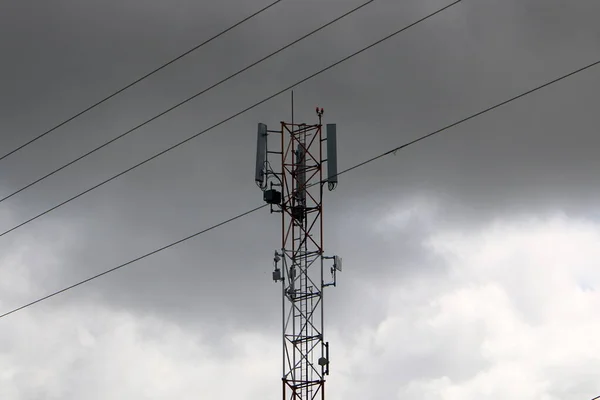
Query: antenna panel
x,y
332,170
301,179
337,263
261,154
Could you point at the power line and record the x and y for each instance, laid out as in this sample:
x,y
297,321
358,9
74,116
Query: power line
x,y
132,261
392,151
139,80
227,119
184,101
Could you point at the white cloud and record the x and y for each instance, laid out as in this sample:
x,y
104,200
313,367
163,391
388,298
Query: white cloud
x,y
94,353
75,350
514,315
510,319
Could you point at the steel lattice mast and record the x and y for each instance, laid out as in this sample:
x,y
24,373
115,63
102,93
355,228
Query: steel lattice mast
x,y
296,191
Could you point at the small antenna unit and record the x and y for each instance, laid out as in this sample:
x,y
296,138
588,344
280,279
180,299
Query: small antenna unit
x,y
261,155
332,171
337,263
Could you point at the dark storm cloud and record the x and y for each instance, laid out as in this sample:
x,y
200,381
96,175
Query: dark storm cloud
x,y
216,173
538,152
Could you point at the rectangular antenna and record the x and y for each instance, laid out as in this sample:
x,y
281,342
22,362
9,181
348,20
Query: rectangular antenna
x,y
337,263
261,154
301,169
332,154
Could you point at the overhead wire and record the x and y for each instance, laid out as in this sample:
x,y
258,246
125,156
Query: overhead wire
x,y
388,152
229,118
535,89
168,110
144,77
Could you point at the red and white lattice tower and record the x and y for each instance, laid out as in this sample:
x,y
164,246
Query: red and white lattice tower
x,y
292,180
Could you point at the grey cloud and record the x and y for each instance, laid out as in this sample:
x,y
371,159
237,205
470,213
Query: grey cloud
x,y
535,155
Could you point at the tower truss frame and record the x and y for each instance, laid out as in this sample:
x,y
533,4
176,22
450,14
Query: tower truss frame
x,y
300,180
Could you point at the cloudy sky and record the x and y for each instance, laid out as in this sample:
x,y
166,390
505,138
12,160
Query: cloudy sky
x,y
470,259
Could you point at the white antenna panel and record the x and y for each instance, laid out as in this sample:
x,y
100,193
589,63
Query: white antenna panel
x,y
337,263
261,154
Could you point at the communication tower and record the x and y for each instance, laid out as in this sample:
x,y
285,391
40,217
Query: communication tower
x,y
292,177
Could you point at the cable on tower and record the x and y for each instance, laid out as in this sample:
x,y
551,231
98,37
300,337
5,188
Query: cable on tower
x,y
229,118
140,79
391,151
